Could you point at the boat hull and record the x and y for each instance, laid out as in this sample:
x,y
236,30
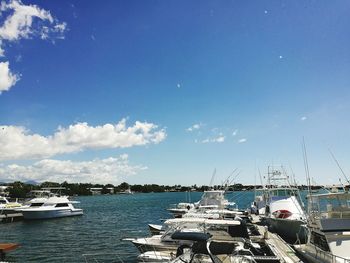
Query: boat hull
x,y
289,230
47,214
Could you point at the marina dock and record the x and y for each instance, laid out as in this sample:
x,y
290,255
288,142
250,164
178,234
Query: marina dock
x,y
8,218
281,247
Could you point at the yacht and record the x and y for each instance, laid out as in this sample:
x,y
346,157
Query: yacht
x,y
328,228
281,206
52,207
47,204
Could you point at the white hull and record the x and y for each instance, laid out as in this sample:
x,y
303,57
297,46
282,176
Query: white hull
x,y
46,214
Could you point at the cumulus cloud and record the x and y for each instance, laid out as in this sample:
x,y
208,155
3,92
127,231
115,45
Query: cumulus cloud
x,y
243,140
18,143
7,79
194,127
304,118
104,171
20,21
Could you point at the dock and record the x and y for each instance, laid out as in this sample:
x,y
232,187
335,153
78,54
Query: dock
x,y
10,217
280,247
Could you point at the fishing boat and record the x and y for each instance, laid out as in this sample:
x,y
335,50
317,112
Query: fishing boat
x,y
164,242
328,228
283,210
211,199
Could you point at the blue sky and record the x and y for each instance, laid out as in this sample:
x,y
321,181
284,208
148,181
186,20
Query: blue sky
x,y
211,84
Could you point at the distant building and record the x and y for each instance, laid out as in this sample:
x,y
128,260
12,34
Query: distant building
x,y
96,190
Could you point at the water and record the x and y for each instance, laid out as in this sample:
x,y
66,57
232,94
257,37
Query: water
x,y
106,219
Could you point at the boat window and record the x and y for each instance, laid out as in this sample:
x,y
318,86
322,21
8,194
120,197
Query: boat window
x,y
319,241
2,202
61,205
36,204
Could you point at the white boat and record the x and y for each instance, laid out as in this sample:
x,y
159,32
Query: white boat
x,y
127,192
328,228
165,242
210,200
8,207
283,211
51,207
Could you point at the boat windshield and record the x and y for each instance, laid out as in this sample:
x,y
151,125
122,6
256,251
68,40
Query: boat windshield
x,y
283,192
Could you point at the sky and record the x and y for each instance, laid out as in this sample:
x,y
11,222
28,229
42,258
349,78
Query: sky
x,y
168,92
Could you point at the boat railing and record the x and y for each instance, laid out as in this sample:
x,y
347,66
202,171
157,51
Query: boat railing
x,y
320,254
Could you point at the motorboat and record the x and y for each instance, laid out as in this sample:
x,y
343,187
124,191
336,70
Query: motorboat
x,y
126,192
50,207
210,200
328,228
281,206
164,242
7,207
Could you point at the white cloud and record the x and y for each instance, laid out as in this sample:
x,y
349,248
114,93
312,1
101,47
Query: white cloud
x,y
304,118
22,21
194,127
104,171
19,22
18,143
7,78
243,140
218,139
235,132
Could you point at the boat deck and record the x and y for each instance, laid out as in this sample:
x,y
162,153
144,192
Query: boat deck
x,y
280,247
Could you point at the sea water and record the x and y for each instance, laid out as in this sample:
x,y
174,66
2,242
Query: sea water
x,y
98,233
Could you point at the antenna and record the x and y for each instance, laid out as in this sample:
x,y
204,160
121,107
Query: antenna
x,y
336,161
212,177
306,166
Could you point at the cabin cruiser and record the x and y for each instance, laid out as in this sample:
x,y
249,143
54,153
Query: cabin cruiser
x,y
47,204
328,228
280,205
52,207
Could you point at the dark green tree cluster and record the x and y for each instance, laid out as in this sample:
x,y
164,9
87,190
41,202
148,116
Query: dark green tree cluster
x,y
20,190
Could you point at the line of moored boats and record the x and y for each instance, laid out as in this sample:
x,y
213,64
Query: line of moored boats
x,y
215,230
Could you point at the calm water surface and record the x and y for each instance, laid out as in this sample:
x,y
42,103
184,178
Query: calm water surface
x,y
106,219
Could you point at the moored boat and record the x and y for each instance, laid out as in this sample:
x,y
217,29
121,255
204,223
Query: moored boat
x,y
328,228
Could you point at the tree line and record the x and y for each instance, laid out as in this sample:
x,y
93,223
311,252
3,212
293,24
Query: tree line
x,y
20,190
